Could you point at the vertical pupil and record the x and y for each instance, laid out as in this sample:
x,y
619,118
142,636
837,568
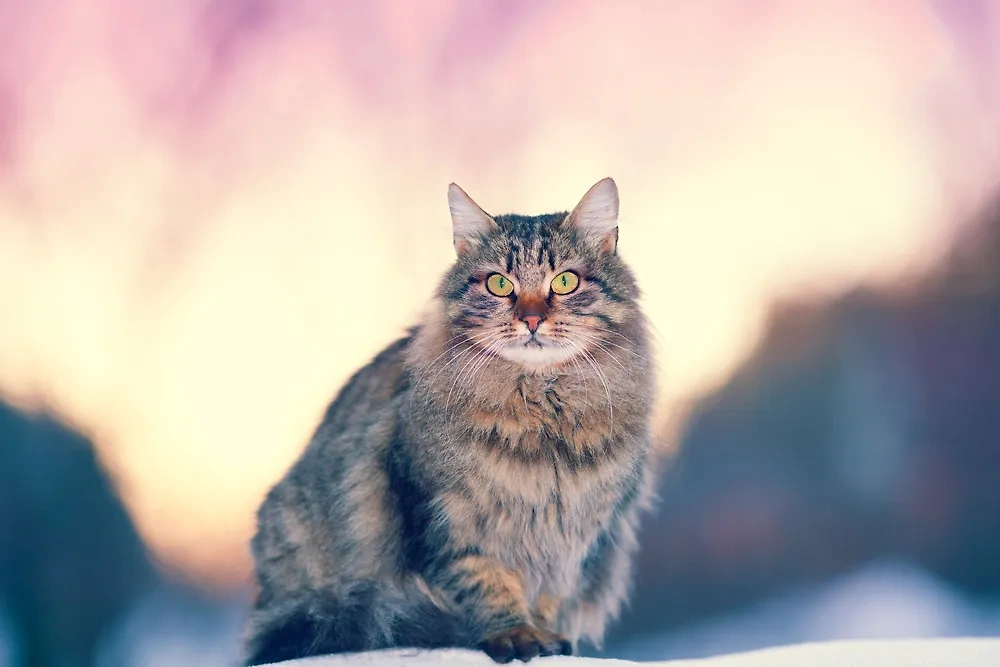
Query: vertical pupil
x,y
564,280
500,282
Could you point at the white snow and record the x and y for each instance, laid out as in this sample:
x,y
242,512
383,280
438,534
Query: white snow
x,y
882,600
887,600
170,629
870,653
885,614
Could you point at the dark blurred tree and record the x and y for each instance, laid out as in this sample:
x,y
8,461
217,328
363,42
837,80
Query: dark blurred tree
x,y
953,339
864,425
70,559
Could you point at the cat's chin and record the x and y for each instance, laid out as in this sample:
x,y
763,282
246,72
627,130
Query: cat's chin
x,y
536,356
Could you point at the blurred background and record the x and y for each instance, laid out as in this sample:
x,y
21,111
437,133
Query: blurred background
x,y
195,193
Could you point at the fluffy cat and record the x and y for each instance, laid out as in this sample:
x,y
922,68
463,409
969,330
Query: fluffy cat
x,y
478,484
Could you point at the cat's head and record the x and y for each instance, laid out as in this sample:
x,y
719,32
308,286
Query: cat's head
x,y
539,290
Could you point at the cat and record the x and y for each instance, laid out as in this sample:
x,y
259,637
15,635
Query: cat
x,y
479,483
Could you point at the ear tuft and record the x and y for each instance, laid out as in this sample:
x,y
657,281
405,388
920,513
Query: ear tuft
x,y
469,222
597,214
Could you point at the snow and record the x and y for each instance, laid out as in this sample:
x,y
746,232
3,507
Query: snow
x,y
887,600
886,614
860,653
170,628
883,600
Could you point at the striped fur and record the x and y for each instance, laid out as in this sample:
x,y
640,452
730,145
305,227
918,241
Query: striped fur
x,y
473,485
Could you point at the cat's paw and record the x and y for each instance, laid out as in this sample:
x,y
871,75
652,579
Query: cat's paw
x,y
524,643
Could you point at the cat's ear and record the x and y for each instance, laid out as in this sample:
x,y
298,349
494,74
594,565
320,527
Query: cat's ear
x,y
469,222
597,215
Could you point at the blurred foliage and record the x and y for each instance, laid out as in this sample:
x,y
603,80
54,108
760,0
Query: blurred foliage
x,y
864,425
71,561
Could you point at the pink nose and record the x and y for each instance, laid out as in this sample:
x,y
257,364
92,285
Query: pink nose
x,y
532,321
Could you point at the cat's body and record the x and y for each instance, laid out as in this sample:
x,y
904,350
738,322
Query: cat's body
x,y
478,483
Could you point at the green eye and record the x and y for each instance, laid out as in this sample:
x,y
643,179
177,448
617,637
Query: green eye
x,y
499,285
565,282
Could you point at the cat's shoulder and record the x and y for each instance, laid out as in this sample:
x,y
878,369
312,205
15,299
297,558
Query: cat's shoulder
x,y
375,383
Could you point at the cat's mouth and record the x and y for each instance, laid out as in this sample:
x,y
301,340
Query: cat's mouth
x,y
537,352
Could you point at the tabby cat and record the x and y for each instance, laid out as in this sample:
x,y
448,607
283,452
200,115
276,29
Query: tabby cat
x,y
478,483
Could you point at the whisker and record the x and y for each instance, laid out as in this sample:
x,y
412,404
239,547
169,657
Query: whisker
x,y
600,375
481,352
616,344
652,328
465,339
472,348
583,376
598,343
483,357
471,340
427,381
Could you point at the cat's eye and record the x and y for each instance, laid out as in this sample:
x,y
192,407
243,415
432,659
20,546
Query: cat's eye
x,y
499,285
565,282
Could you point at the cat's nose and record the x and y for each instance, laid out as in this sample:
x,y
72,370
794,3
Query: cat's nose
x,y
531,309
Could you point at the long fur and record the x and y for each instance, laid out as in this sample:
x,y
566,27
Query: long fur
x,y
472,486
363,616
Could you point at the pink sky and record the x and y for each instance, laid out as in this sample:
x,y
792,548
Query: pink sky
x,y
195,195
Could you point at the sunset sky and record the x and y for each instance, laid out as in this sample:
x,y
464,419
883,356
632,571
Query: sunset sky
x,y
212,212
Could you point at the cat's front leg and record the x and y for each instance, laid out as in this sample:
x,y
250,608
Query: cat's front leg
x,y
546,611
525,642
605,581
493,597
